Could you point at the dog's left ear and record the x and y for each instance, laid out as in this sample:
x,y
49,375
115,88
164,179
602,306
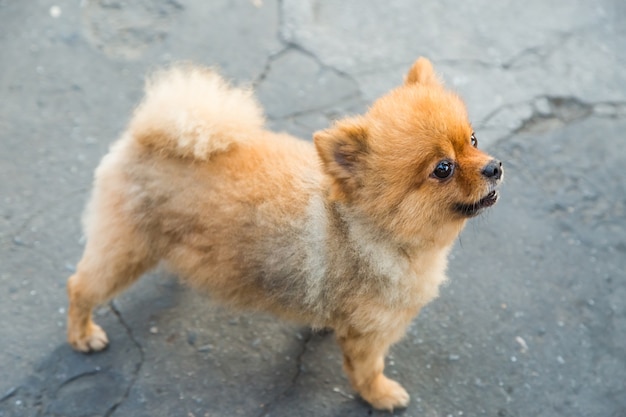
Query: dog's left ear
x,y
422,72
342,149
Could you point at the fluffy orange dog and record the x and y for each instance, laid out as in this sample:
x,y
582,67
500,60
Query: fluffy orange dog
x,y
351,234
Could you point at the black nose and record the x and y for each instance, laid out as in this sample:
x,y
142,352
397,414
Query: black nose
x,y
493,170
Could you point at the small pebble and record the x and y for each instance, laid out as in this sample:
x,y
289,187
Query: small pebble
x,y
522,343
55,11
340,392
154,330
560,359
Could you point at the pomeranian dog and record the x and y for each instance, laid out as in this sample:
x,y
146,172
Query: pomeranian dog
x,y
351,233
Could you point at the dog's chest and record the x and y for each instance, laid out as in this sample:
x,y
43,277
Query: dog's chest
x,y
407,281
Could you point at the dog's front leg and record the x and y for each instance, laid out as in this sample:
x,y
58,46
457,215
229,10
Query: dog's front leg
x,y
364,361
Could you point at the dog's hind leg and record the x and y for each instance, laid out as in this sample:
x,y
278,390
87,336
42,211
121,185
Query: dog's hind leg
x,y
114,258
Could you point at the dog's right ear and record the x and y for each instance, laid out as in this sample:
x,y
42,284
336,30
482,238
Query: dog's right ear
x,y
422,72
342,149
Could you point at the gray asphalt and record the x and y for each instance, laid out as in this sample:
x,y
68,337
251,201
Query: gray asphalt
x,y
533,321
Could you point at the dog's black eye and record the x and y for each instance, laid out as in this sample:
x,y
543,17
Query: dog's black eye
x,y
443,169
474,141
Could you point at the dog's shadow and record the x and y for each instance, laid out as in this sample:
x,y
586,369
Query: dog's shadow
x,y
174,352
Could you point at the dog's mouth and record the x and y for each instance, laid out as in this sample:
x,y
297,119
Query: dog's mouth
x,y
471,210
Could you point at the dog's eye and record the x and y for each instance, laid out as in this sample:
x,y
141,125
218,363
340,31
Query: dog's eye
x,y
474,141
443,170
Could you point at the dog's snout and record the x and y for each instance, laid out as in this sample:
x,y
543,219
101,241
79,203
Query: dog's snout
x,y
493,170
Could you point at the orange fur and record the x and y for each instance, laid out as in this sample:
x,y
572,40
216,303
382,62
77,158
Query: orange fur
x,y
353,237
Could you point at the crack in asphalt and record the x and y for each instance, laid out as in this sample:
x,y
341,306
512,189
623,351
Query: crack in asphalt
x,y
76,377
539,51
563,109
274,55
319,109
542,51
45,208
10,393
291,45
268,66
139,365
305,341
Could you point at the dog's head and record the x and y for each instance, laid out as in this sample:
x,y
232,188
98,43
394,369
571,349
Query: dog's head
x,y
411,164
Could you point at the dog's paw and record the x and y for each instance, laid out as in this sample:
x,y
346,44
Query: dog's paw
x,y
92,340
386,394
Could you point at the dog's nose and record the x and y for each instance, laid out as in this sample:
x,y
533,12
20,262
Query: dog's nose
x,y
493,170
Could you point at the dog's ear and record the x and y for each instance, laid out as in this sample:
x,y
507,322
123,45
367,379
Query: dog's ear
x,y
422,72
342,149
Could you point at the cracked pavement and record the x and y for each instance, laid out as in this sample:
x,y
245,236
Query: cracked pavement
x,y
533,321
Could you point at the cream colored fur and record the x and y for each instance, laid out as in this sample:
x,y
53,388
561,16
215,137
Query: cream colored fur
x,y
192,112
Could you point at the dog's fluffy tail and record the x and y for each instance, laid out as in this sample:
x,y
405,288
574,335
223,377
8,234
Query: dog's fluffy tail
x,y
191,112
